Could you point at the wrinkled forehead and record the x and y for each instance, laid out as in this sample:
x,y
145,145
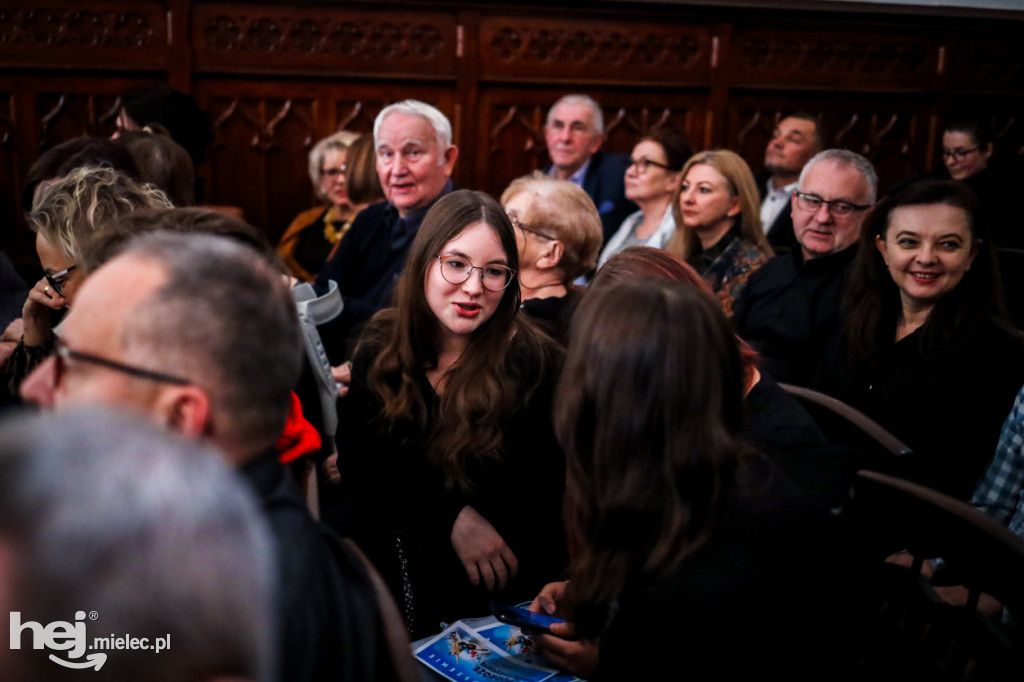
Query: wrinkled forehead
x,y
400,129
573,112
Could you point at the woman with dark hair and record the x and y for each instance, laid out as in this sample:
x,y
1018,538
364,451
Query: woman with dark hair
x,y
162,162
967,154
930,352
688,549
718,214
652,176
446,450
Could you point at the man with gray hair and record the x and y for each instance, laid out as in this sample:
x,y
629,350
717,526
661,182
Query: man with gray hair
x,y
415,159
574,133
200,333
790,309
151,535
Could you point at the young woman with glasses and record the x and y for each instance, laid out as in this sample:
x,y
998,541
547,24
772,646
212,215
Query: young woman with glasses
x,y
447,457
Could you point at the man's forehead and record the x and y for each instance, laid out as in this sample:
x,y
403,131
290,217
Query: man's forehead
x,y
400,129
573,112
796,125
831,180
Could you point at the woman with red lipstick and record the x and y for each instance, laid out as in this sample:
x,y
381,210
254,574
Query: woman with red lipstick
x,y
930,351
448,460
718,220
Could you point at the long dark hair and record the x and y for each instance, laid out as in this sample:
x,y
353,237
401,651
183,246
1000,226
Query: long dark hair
x,y
483,387
872,299
648,410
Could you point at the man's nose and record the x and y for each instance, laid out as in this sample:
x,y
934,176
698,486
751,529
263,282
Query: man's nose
x,y
39,386
823,214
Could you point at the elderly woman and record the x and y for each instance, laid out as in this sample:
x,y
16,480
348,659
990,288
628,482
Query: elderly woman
x,y
66,212
558,232
313,234
929,350
718,220
652,177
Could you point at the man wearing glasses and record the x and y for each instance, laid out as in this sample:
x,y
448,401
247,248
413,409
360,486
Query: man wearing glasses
x,y
791,306
200,334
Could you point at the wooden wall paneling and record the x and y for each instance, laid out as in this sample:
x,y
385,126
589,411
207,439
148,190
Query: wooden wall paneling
x,y
10,172
848,57
986,62
123,35
607,51
268,39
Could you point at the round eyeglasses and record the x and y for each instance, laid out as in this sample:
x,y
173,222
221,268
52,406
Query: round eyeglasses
x,y
457,269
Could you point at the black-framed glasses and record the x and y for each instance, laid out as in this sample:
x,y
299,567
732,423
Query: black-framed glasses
x,y
61,354
958,154
334,172
643,164
58,279
517,223
837,207
457,269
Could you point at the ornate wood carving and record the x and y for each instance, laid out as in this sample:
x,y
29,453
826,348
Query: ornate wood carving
x,y
322,40
556,50
988,62
832,59
62,32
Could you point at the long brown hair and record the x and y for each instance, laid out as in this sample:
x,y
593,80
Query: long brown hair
x,y
485,385
648,410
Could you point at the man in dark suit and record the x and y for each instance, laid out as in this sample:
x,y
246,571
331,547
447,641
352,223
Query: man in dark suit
x,y
574,133
795,140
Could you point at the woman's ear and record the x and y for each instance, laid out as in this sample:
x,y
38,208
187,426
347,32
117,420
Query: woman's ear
x,y
552,255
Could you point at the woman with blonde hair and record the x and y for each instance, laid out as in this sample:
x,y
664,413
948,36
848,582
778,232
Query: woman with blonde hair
x,y
718,223
313,234
558,233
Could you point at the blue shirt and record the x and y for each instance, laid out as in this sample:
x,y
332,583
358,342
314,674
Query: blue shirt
x,y
1000,492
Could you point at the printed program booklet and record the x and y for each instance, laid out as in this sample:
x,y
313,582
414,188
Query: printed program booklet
x,y
486,649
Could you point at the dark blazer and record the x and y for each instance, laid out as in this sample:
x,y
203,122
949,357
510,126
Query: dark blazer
x,y
780,233
605,184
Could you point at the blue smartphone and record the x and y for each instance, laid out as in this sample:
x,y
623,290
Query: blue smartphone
x,y
520,617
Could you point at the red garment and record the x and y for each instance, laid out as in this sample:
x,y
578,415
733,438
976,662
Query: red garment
x,y
299,437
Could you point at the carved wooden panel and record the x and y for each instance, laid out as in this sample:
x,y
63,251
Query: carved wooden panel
x,y
838,59
126,35
990,61
557,50
512,126
281,39
892,133
10,170
63,115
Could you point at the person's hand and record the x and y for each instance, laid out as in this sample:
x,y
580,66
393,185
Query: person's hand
x,y
331,469
562,648
957,596
42,298
482,550
343,375
9,339
906,560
